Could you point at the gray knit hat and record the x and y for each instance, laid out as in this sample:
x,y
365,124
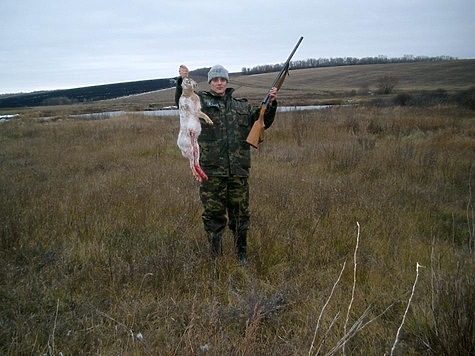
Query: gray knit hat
x,y
218,71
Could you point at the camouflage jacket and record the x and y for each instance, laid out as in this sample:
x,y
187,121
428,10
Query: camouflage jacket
x,y
224,151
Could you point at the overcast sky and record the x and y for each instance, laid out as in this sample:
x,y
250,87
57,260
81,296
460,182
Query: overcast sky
x,y
55,44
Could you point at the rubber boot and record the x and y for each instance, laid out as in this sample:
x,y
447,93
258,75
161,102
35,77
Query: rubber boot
x,y
216,244
240,243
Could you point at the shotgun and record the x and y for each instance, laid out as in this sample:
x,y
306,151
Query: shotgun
x,y
256,135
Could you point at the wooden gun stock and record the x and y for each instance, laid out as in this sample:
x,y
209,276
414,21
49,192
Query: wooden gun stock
x,y
256,135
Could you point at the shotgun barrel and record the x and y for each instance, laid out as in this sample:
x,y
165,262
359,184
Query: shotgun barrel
x,y
256,135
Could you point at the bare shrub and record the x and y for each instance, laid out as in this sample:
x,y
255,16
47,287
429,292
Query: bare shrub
x,y
466,98
386,84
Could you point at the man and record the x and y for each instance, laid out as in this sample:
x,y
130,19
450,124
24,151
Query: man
x,y
226,158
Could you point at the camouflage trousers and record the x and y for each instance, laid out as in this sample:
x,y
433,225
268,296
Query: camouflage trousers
x,y
225,200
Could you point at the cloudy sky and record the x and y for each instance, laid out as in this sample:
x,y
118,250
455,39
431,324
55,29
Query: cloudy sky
x,y
55,44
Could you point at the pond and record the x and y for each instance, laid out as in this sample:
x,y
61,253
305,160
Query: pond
x,y
110,114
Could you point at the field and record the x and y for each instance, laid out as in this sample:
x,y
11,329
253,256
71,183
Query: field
x,y
362,234
103,250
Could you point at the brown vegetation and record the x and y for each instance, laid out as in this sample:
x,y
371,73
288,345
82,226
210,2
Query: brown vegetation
x,y
103,250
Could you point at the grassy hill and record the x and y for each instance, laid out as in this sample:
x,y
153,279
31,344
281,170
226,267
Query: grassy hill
x,y
322,85
357,83
83,94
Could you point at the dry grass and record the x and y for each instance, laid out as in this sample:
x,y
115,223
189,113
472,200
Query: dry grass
x,y
103,250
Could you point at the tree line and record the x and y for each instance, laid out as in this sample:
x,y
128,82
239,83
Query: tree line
x,y
84,94
342,61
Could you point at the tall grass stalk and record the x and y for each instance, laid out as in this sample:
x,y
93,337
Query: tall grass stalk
x,y
470,214
51,339
354,282
407,309
323,310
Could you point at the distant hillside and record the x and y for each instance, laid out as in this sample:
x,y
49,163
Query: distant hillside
x,y
302,86
333,84
321,83
84,94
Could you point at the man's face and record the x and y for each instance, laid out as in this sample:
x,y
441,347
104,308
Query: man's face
x,y
218,85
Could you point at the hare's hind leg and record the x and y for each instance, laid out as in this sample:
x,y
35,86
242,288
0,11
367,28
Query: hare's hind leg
x,y
198,173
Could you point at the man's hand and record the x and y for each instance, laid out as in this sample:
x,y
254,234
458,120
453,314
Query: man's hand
x,y
272,95
183,70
